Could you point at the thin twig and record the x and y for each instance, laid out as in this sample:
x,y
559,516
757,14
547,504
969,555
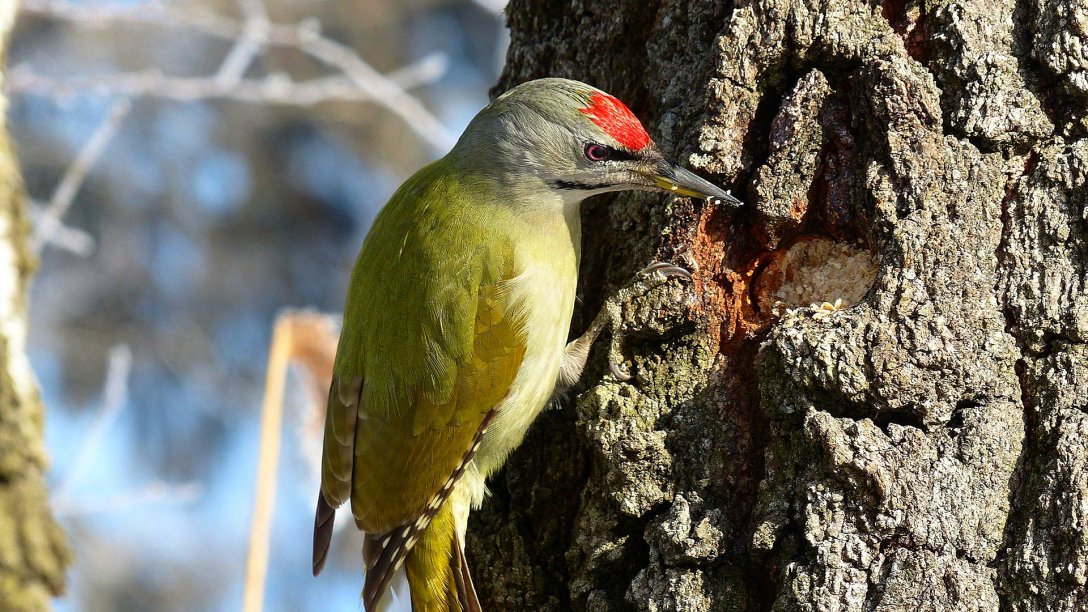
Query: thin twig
x,y
114,398
305,36
71,239
274,89
74,176
246,47
385,91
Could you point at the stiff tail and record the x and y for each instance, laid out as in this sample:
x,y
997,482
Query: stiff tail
x,y
323,523
466,591
433,560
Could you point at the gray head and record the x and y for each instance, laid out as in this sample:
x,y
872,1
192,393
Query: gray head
x,y
574,139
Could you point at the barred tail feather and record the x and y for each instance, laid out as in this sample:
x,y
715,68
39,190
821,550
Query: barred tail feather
x,y
397,596
432,560
384,556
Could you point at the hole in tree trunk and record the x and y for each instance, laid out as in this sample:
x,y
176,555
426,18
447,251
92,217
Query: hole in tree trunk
x,y
812,271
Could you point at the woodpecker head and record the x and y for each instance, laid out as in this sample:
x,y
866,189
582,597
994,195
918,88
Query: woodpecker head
x,y
571,138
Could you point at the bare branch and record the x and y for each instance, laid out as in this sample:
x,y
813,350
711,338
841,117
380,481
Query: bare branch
x,y
74,176
247,46
305,37
385,92
114,396
71,239
275,89
165,15
357,82
239,58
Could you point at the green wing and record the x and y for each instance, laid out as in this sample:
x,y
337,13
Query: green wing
x,y
427,350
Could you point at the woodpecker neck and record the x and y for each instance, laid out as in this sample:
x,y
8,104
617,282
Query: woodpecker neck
x,y
523,188
552,211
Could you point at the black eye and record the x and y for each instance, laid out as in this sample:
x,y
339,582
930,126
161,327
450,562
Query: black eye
x,y
598,152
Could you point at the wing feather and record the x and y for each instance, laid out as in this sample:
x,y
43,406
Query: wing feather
x,y
338,456
337,461
402,463
429,347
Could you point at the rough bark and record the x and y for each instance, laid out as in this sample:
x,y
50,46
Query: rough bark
x,y
33,549
921,444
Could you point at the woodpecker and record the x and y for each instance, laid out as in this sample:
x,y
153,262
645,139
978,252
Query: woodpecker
x,y
456,324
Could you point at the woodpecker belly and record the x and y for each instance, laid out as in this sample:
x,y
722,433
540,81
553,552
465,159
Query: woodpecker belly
x,y
543,291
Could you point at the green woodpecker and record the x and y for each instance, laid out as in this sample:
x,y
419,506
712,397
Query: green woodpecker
x,y
456,324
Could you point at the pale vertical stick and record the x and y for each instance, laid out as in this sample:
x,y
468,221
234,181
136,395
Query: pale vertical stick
x,y
268,459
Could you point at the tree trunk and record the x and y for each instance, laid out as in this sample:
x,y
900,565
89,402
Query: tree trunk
x,y
33,549
920,441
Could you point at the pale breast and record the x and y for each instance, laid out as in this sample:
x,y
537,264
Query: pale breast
x,y
543,293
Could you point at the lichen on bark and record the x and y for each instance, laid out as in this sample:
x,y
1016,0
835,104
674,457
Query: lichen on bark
x,y
923,447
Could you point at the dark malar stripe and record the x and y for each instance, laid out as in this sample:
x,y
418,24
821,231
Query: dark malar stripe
x,y
582,186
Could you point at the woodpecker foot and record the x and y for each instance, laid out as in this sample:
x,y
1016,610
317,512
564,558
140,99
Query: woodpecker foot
x,y
666,269
611,318
650,277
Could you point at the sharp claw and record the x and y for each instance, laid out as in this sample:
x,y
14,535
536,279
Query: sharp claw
x,y
675,271
618,372
610,316
666,269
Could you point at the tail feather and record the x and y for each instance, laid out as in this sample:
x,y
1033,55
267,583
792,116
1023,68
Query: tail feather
x,y
397,596
433,561
323,523
462,579
384,555
372,549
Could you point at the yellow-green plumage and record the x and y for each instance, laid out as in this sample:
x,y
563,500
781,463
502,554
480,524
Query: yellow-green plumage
x,y
429,568
414,334
456,323
435,330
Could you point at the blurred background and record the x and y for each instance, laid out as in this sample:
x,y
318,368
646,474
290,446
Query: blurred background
x,y
195,168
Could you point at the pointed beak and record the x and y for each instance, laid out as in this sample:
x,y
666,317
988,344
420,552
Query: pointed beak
x,y
675,179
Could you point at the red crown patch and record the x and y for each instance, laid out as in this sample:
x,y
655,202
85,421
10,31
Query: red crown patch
x,y
616,120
